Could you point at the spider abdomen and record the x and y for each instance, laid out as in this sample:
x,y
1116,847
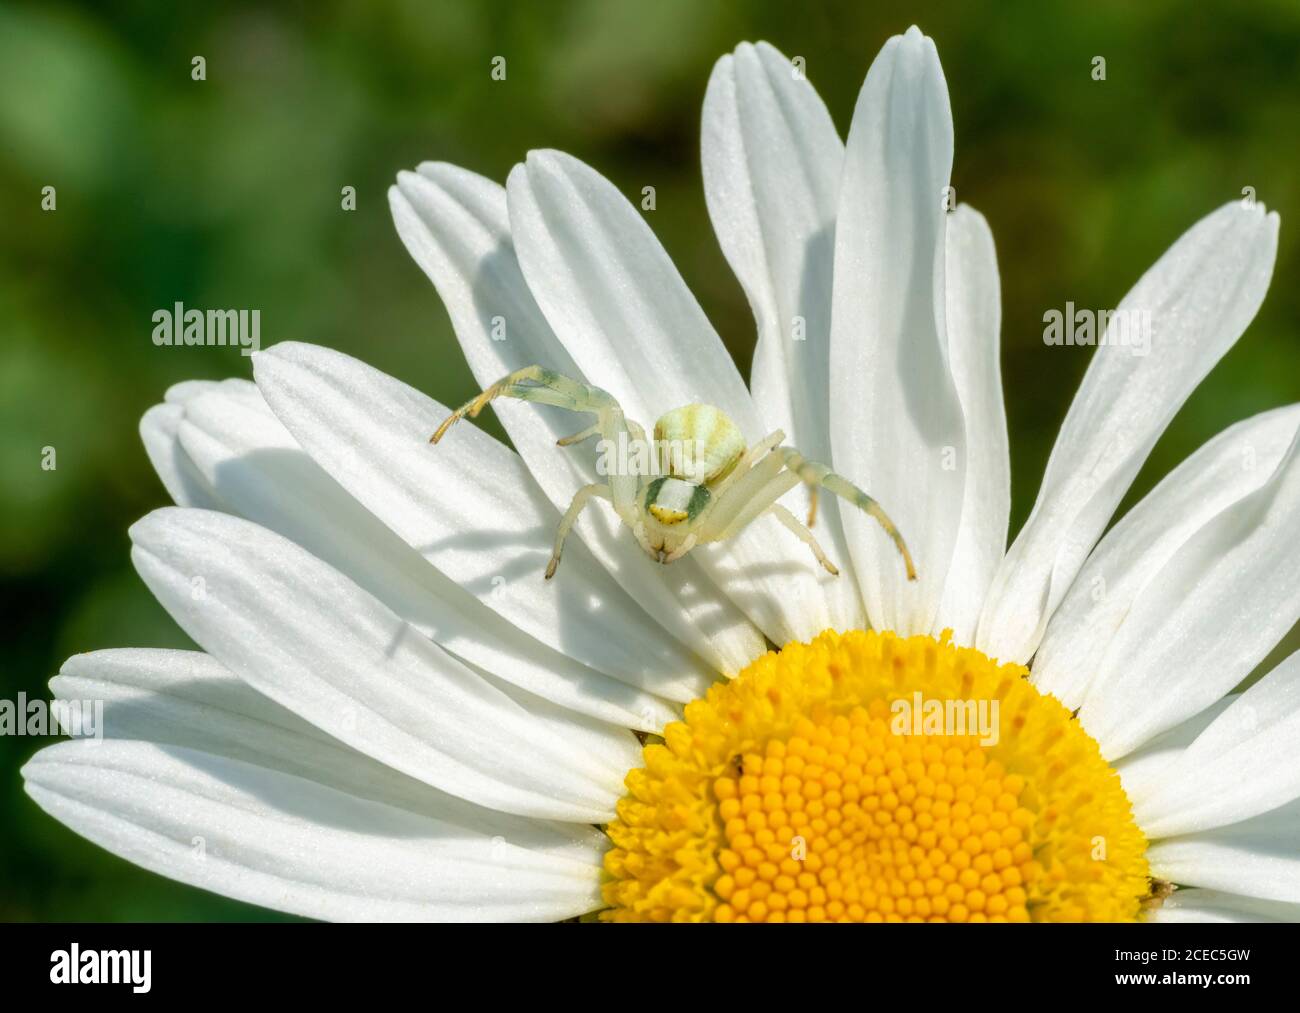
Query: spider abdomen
x,y
698,442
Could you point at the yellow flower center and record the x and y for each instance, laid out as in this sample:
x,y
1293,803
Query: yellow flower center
x,y
867,777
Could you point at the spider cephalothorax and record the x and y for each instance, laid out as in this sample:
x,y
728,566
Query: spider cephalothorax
x,y
696,482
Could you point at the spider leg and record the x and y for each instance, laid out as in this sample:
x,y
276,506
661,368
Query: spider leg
x,y
757,490
746,462
739,502
545,386
815,474
580,499
578,437
687,544
642,539
532,383
804,535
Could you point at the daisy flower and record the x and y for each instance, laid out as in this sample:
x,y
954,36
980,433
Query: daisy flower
x,y
394,717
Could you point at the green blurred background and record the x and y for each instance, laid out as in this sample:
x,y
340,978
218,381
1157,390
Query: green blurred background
x,y
226,192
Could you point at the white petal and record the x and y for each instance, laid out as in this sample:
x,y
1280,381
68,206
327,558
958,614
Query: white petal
x,y
1142,771
1259,857
772,162
1216,906
186,698
244,453
615,299
281,841
974,319
1198,297
1246,762
897,427
158,431
455,225
180,393
613,295
469,507
310,639
1205,620
1223,471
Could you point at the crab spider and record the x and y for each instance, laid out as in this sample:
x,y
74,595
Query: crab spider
x,y
690,498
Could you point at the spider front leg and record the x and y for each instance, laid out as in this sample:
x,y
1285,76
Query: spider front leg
x,y
814,474
532,383
580,499
753,492
753,495
804,535
545,386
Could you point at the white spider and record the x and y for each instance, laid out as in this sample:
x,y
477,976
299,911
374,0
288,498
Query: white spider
x,y
685,497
